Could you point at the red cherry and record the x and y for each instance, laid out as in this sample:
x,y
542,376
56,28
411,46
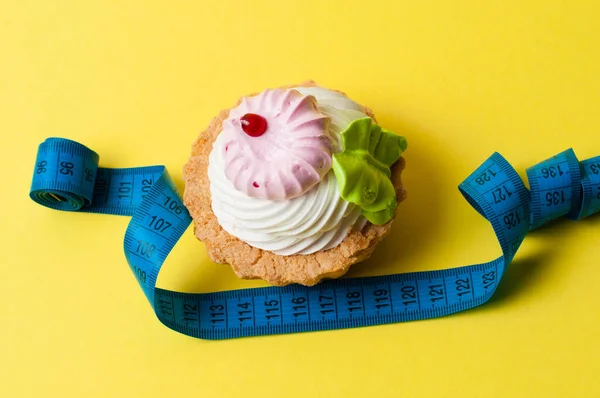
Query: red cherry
x,y
254,125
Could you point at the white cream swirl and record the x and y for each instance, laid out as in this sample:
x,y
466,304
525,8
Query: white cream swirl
x,y
341,109
316,220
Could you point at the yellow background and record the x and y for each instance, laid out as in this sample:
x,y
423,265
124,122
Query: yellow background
x,y
137,80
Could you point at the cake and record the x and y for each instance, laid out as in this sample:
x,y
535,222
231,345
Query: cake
x,y
294,184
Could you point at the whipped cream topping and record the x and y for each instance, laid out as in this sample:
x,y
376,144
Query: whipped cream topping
x,y
289,158
318,219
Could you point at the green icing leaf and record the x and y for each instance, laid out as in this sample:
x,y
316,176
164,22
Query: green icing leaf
x,y
362,169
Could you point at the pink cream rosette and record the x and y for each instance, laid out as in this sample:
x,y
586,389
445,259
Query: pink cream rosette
x,y
285,159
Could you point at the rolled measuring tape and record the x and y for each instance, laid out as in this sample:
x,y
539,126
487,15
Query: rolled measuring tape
x,y
67,177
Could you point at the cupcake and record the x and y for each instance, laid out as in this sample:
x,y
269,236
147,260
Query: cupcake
x,y
294,185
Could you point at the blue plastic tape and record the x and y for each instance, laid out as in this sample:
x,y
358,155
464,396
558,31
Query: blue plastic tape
x,y
67,177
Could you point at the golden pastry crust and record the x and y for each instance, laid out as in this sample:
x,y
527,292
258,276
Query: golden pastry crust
x,y
252,263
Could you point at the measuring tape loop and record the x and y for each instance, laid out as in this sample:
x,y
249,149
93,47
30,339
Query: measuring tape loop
x,y
67,177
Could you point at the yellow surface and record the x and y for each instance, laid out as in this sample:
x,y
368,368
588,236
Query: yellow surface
x,y
137,80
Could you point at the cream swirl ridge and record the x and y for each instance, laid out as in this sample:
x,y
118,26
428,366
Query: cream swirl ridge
x,y
286,156
341,110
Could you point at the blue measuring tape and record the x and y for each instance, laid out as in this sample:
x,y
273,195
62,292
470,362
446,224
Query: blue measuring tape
x,y
67,177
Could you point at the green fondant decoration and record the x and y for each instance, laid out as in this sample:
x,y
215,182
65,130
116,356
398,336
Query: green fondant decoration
x,y
362,169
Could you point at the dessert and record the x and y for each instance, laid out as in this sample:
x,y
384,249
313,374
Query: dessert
x,y
294,185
